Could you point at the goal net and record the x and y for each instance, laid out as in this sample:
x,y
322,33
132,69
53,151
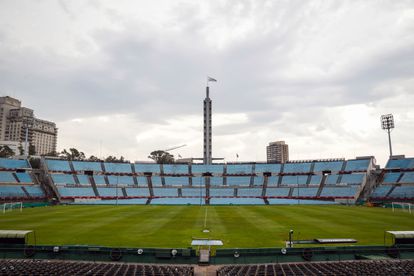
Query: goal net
x,y
403,206
10,206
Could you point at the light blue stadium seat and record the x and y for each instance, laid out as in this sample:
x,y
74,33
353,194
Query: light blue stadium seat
x,y
285,201
249,192
391,177
331,179
83,179
238,180
178,201
315,179
215,169
239,168
24,177
7,163
7,177
236,201
87,166
142,181
402,192
128,201
118,167
109,192
272,180
58,165
195,192
147,167
11,191
216,181
121,180
294,179
221,192
63,178
176,169
258,181
99,179
381,191
137,192
339,191
35,191
76,192
176,181
156,181
357,165
297,167
405,163
273,168
334,166
165,192
408,177
198,181
353,178
308,192
277,191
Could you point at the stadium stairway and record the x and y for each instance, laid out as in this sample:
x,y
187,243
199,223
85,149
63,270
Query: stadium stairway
x,y
25,191
46,181
93,184
321,185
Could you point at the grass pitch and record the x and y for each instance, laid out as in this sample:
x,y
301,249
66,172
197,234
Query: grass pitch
x,y
174,226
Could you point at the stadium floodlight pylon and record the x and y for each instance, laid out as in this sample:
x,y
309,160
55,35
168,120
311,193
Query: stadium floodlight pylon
x,y
387,123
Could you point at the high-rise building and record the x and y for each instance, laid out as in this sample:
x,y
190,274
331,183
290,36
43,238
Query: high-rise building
x,y
16,122
207,158
277,152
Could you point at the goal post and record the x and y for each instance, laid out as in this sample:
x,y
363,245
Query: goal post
x,y
403,206
9,206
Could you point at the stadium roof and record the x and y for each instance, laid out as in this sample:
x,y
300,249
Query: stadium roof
x,y
14,233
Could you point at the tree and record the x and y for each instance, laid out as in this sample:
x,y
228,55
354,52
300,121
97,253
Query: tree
x,y
6,151
93,158
52,153
161,157
72,154
21,149
32,149
114,159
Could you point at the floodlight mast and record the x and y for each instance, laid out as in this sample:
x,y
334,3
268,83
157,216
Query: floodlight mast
x,y
387,123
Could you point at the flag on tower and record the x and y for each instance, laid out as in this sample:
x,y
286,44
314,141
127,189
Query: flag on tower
x,y
211,79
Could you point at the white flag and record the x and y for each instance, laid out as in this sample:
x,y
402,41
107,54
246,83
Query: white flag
x,y
211,79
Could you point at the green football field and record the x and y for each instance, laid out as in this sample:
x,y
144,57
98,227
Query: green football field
x,y
174,226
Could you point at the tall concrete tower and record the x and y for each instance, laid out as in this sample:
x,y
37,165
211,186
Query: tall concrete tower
x,y
207,128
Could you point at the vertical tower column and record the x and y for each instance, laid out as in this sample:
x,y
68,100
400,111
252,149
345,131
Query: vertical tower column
x,y
207,128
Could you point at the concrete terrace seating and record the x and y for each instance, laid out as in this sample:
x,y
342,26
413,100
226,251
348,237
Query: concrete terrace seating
x,y
282,192
7,177
214,169
391,177
147,168
13,164
165,192
193,192
59,178
176,169
249,192
297,167
294,179
137,192
122,180
272,180
99,179
381,191
315,180
236,201
272,168
83,179
283,201
35,191
402,192
354,178
334,166
242,169
178,201
24,177
404,163
304,192
258,181
331,179
357,165
238,180
198,181
110,192
118,167
176,181
11,191
408,177
75,192
58,165
156,181
339,191
87,166
221,192
142,181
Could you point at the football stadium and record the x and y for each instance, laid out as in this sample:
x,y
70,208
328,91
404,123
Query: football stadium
x,y
240,218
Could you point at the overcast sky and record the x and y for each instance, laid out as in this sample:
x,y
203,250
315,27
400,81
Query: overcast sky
x,y
128,77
